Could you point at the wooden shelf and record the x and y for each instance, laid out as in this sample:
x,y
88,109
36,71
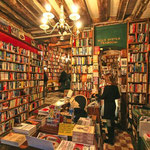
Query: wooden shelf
x,y
12,107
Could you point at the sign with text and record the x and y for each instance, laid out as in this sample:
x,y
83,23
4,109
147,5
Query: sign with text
x,y
113,36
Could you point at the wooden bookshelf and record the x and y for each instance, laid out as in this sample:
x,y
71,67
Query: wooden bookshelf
x,y
54,60
21,84
138,70
82,63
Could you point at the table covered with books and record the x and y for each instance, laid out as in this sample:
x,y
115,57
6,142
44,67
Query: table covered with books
x,y
52,128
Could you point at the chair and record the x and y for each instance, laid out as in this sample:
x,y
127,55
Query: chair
x,y
79,103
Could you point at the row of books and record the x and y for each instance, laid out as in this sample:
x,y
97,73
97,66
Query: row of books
x,y
5,126
82,69
19,76
137,88
34,90
4,116
13,85
138,27
16,49
35,104
36,55
36,83
137,98
85,34
82,42
16,58
82,77
138,57
35,96
137,67
82,60
55,66
33,76
36,69
82,86
141,37
139,47
2,55
13,94
137,77
36,62
13,66
13,103
82,50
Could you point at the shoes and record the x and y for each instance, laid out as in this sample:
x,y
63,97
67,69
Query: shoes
x,y
111,142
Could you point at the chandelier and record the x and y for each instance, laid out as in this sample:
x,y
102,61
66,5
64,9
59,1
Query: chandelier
x,y
62,26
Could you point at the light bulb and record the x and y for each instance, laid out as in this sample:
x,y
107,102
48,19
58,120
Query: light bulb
x,y
44,20
48,7
78,24
74,9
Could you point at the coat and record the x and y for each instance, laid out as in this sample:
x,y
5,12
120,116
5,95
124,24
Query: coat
x,y
109,95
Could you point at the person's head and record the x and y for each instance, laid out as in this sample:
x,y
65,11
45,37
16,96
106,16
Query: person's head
x,y
109,78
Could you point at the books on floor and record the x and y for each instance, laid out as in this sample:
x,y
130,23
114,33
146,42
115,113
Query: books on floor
x,y
24,128
14,139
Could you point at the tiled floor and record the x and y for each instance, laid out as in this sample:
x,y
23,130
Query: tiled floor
x,y
122,138
122,142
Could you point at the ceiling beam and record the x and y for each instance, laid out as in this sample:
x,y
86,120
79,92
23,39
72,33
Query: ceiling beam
x,y
83,11
48,36
122,9
104,10
141,9
13,15
20,11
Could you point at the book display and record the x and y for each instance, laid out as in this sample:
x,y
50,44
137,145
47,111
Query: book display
x,y
82,63
137,74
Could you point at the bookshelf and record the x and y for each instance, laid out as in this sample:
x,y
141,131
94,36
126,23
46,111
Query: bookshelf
x,y
36,77
21,81
137,74
82,63
54,59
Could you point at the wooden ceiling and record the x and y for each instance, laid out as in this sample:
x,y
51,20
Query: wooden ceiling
x,y
28,13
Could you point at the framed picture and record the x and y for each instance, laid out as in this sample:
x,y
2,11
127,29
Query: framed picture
x,y
123,62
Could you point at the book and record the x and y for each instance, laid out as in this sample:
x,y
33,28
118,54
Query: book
x,y
14,139
25,128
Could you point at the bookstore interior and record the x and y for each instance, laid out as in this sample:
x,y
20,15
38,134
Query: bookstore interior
x,y
75,74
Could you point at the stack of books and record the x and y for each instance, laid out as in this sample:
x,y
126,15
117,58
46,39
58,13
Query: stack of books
x,y
24,128
38,118
44,111
69,145
14,139
83,134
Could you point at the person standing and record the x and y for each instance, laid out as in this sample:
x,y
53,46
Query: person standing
x,y
62,80
109,95
45,84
